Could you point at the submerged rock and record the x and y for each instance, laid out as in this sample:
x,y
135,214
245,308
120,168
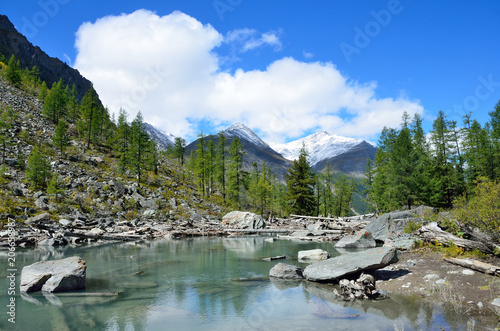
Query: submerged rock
x,y
54,276
286,271
313,255
344,265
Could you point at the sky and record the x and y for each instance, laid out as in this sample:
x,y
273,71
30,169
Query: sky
x,y
286,69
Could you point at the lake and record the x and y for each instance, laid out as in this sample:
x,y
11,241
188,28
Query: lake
x,y
218,283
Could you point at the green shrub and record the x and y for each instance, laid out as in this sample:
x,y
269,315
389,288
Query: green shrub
x,y
412,226
482,210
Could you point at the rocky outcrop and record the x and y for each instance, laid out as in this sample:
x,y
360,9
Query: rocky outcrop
x,y
244,220
313,255
51,69
348,264
389,224
286,271
54,276
362,239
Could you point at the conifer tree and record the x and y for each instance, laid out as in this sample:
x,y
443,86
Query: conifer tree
x,y
300,182
220,164
55,186
38,169
54,107
201,163
13,72
235,173
43,92
90,109
140,147
210,164
179,149
60,137
344,189
123,140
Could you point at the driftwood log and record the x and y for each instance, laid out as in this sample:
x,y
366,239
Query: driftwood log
x,y
433,232
483,267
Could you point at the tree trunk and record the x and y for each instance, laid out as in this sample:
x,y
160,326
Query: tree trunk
x,y
432,232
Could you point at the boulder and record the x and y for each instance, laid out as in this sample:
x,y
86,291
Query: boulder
x,y
313,255
362,288
362,239
45,217
404,241
244,220
286,271
388,224
348,264
42,203
54,276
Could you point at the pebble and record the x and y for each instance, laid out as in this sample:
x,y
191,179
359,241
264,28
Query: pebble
x,y
406,285
480,305
431,276
440,281
468,272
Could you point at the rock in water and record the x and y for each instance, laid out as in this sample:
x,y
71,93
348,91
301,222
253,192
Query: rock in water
x,y
362,239
313,255
54,276
352,263
286,271
244,220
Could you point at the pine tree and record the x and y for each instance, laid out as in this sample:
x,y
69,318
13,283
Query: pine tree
x,y
264,188
235,173
300,182
201,163
140,147
55,186
210,164
38,169
123,140
179,149
13,72
344,189
60,137
54,107
90,109
220,164
381,186
43,92
444,175
35,76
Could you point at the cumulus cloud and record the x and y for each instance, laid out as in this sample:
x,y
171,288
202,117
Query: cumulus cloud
x,y
168,68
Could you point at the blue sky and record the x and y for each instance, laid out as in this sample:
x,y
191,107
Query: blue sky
x,y
286,69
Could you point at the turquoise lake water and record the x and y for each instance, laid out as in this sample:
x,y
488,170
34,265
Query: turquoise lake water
x,y
204,284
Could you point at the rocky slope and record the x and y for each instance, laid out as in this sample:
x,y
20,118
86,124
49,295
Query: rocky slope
x,y
96,201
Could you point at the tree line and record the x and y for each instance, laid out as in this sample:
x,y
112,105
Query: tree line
x,y
217,167
435,169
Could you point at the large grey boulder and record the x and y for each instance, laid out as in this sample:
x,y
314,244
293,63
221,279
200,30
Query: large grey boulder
x,y
286,271
389,224
313,255
348,264
244,220
54,276
361,239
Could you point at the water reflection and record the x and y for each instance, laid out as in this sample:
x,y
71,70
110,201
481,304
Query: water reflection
x,y
205,284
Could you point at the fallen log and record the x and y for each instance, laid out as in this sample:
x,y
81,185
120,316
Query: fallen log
x,y
483,267
85,234
433,232
315,217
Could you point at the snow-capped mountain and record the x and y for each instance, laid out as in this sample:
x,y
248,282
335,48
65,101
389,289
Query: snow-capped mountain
x,y
163,139
244,133
319,146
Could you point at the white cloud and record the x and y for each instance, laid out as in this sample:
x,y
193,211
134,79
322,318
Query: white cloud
x,y
168,68
249,39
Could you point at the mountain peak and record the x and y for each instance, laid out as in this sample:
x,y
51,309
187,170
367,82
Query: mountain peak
x,y
320,145
244,132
